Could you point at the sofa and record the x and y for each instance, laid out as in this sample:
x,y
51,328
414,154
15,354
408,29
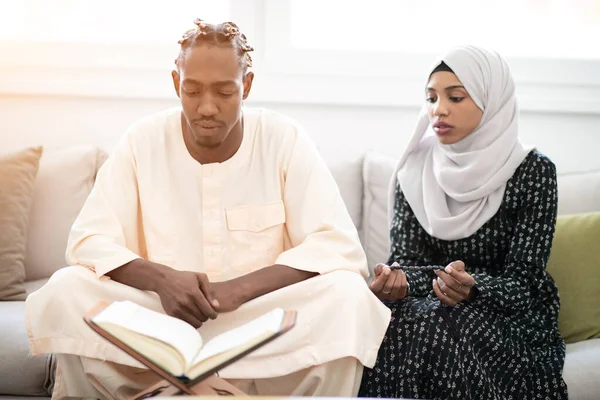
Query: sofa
x,y
66,176
62,184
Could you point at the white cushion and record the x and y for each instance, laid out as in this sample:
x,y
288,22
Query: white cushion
x,y
579,192
347,173
33,286
377,172
63,183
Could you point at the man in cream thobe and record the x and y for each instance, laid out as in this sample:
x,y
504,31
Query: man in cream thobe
x,y
273,202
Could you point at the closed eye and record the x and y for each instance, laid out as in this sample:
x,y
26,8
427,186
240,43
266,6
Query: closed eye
x,y
191,92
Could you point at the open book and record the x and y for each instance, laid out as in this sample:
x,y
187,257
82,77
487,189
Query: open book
x,y
174,346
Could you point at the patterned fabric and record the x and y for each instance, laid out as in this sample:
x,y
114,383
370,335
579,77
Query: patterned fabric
x,y
504,343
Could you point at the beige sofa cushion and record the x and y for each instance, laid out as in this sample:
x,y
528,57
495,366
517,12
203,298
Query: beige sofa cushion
x,y
63,183
577,193
17,179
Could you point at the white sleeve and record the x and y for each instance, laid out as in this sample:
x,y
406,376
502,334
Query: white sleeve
x,y
320,229
106,234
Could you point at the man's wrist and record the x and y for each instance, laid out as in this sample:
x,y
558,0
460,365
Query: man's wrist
x,y
266,280
243,289
153,274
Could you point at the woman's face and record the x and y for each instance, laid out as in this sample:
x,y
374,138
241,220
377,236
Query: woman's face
x,y
452,112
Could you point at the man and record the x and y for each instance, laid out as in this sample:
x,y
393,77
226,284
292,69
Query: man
x,y
215,214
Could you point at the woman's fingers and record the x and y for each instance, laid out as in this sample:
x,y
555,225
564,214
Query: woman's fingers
x,y
389,285
400,285
452,293
380,280
378,269
449,281
442,296
457,271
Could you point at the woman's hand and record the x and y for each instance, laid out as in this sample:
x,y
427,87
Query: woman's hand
x,y
454,284
389,284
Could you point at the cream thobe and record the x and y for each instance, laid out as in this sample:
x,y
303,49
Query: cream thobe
x,y
273,202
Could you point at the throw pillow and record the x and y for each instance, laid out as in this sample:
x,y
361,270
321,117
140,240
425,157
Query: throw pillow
x,y
575,266
62,185
17,178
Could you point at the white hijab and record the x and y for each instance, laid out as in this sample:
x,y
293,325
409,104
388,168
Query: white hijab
x,y
454,189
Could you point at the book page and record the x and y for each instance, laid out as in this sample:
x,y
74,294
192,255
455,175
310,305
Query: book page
x,y
221,358
179,334
268,323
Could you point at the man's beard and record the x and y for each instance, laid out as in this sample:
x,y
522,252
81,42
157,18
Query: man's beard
x,y
208,142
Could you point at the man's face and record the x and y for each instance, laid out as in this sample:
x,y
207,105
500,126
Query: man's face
x,y
211,86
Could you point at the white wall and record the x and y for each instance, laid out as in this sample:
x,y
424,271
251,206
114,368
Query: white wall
x,y
571,140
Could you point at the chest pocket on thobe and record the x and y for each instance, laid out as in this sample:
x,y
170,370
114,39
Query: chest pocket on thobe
x,y
256,235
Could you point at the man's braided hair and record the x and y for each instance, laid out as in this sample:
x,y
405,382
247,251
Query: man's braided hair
x,y
226,33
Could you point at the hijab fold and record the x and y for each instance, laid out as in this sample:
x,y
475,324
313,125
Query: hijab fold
x,y
454,189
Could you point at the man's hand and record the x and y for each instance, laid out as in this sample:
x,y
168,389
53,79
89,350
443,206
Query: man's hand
x,y
184,295
454,284
228,296
191,297
188,296
389,284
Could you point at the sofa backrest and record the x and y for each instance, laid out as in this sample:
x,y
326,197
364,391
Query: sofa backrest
x,y
348,176
63,183
577,193
66,177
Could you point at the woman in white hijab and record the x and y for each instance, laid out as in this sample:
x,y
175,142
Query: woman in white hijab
x,y
467,195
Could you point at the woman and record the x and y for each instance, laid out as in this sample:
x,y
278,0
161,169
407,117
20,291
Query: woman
x,y
469,196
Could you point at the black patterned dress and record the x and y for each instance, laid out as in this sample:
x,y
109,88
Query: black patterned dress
x,y
502,344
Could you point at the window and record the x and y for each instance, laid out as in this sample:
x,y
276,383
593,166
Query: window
x,y
106,21
121,48
361,52
375,52
515,28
